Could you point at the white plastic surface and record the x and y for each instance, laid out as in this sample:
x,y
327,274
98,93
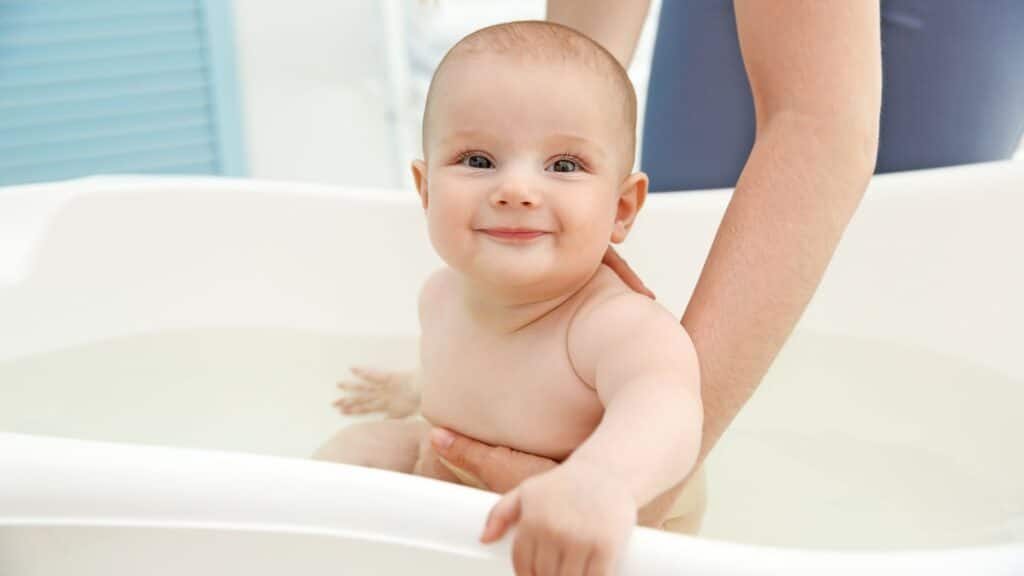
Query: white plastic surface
x,y
930,270
51,482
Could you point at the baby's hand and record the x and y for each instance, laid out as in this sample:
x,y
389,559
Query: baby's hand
x,y
574,519
392,393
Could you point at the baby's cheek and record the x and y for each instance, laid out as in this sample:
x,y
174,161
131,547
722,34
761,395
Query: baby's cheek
x,y
446,239
594,232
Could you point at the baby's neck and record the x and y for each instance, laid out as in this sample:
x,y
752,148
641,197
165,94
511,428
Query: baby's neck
x,y
508,313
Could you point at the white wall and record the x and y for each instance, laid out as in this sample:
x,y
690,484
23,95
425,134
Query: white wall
x,y
313,91
319,102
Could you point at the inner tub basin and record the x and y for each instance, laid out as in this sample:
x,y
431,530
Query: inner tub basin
x,y
169,348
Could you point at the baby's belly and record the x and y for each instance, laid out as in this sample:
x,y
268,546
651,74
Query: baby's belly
x,y
549,421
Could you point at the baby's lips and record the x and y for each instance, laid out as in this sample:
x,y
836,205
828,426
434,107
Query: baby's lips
x,y
514,233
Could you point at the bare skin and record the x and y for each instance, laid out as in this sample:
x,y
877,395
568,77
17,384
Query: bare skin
x,y
815,73
560,411
527,340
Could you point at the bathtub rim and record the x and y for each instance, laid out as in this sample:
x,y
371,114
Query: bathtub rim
x,y
37,467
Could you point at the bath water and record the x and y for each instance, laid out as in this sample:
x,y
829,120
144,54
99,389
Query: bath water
x,y
847,444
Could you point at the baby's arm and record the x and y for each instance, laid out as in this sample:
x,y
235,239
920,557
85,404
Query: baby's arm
x,y
644,368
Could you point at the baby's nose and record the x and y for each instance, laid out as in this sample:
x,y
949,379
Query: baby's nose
x,y
522,202
515,193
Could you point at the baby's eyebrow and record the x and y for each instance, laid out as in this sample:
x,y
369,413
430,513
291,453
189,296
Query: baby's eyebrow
x,y
579,141
557,139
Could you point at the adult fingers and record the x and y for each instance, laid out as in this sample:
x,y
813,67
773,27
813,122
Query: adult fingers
x,y
498,468
621,267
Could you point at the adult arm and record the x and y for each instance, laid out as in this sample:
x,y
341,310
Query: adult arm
x,y
815,73
614,24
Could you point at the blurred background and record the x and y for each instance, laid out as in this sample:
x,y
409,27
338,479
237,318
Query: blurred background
x,y
328,91
332,92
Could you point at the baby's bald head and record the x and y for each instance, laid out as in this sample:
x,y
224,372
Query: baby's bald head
x,y
543,43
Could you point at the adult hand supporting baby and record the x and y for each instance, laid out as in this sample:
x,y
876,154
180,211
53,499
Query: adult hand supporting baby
x,y
498,468
622,269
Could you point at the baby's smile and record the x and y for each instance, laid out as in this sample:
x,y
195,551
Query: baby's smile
x,y
512,235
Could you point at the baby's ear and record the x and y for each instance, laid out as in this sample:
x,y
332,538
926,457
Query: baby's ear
x,y
632,195
419,176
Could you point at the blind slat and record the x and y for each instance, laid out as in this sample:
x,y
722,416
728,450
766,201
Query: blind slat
x,y
32,96
76,77
111,86
183,150
124,105
131,64
15,10
128,42
53,141
37,132
15,20
140,163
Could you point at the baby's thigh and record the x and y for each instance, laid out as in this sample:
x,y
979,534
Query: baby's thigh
x,y
388,445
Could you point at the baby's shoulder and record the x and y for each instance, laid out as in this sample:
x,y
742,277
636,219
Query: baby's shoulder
x,y
615,307
613,319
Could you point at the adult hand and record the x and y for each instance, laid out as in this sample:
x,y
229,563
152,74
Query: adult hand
x,y
498,468
620,267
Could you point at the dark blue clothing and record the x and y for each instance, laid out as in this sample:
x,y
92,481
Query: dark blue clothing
x,y
952,92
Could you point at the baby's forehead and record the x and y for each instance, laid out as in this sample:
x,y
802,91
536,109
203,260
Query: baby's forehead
x,y
469,76
479,61
498,115
493,88
540,46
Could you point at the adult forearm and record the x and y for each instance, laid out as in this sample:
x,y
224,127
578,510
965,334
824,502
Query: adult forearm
x,y
614,24
802,183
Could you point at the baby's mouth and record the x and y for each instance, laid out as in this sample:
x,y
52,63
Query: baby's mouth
x,y
513,234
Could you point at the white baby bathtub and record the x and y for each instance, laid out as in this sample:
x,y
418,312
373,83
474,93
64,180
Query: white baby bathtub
x,y
168,349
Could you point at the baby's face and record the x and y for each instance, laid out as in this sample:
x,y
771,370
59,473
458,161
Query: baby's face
x,y
525,165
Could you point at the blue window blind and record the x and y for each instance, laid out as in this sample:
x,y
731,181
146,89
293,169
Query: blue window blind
x,y
117,86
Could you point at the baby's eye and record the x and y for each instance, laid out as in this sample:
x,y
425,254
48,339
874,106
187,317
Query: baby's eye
x,y
564,165
477,161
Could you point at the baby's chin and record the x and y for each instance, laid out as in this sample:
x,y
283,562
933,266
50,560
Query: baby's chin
x,y
548,279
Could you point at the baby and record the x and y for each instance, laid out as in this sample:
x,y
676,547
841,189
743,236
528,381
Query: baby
x,y
528,341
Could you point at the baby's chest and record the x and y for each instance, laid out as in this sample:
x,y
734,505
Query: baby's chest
x,y
520,392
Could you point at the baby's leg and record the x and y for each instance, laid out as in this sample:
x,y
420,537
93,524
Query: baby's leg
x,y
388,444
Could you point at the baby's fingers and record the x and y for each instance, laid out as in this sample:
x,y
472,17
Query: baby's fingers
x,y
523,551
575,561
547,558
353,386
601,562
371,374
360,405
